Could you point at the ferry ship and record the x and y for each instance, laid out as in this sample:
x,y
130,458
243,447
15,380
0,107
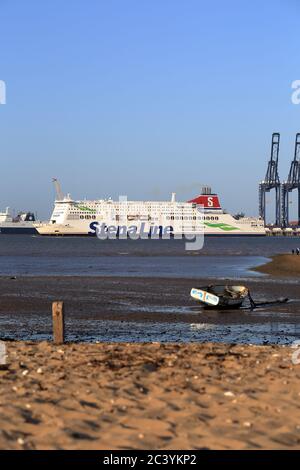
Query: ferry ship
x,y
202,214
22,224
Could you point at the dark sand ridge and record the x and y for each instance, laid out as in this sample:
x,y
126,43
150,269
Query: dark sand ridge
x,y
287,265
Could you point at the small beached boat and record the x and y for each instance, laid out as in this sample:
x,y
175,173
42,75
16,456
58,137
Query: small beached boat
x,y
221,296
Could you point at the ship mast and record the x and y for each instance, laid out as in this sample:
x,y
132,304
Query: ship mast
x,y
59,193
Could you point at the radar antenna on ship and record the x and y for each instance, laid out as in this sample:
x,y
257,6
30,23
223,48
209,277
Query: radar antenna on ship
x,y
59,193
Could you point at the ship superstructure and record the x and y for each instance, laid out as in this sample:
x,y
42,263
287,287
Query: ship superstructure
x,y
23,223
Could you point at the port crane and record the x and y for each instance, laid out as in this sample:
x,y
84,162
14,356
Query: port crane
x,y
293,182
271,181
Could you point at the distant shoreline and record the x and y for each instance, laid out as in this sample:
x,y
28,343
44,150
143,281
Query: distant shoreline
x,y
283,265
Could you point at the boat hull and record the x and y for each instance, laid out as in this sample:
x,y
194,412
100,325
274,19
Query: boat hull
x,y
18,230
220,296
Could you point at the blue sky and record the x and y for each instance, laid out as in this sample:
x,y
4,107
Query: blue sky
x,y
144,97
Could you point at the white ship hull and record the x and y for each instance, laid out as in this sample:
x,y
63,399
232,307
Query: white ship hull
x,y
75,230
18,228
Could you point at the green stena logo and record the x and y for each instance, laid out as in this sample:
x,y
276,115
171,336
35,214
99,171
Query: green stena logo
x,y
85,209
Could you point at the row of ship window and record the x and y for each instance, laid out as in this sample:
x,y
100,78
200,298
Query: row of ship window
x,y
117,212
192,218
212,218
134,208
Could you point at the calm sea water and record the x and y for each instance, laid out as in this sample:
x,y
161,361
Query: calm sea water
x,y
229,257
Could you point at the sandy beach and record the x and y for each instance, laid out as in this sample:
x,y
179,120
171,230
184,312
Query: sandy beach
x,y
283,265
149,396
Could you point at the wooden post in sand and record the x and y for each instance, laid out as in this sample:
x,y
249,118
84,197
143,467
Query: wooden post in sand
x,y
58,322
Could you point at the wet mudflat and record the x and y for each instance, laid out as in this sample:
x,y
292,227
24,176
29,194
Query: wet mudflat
x,y
144,309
